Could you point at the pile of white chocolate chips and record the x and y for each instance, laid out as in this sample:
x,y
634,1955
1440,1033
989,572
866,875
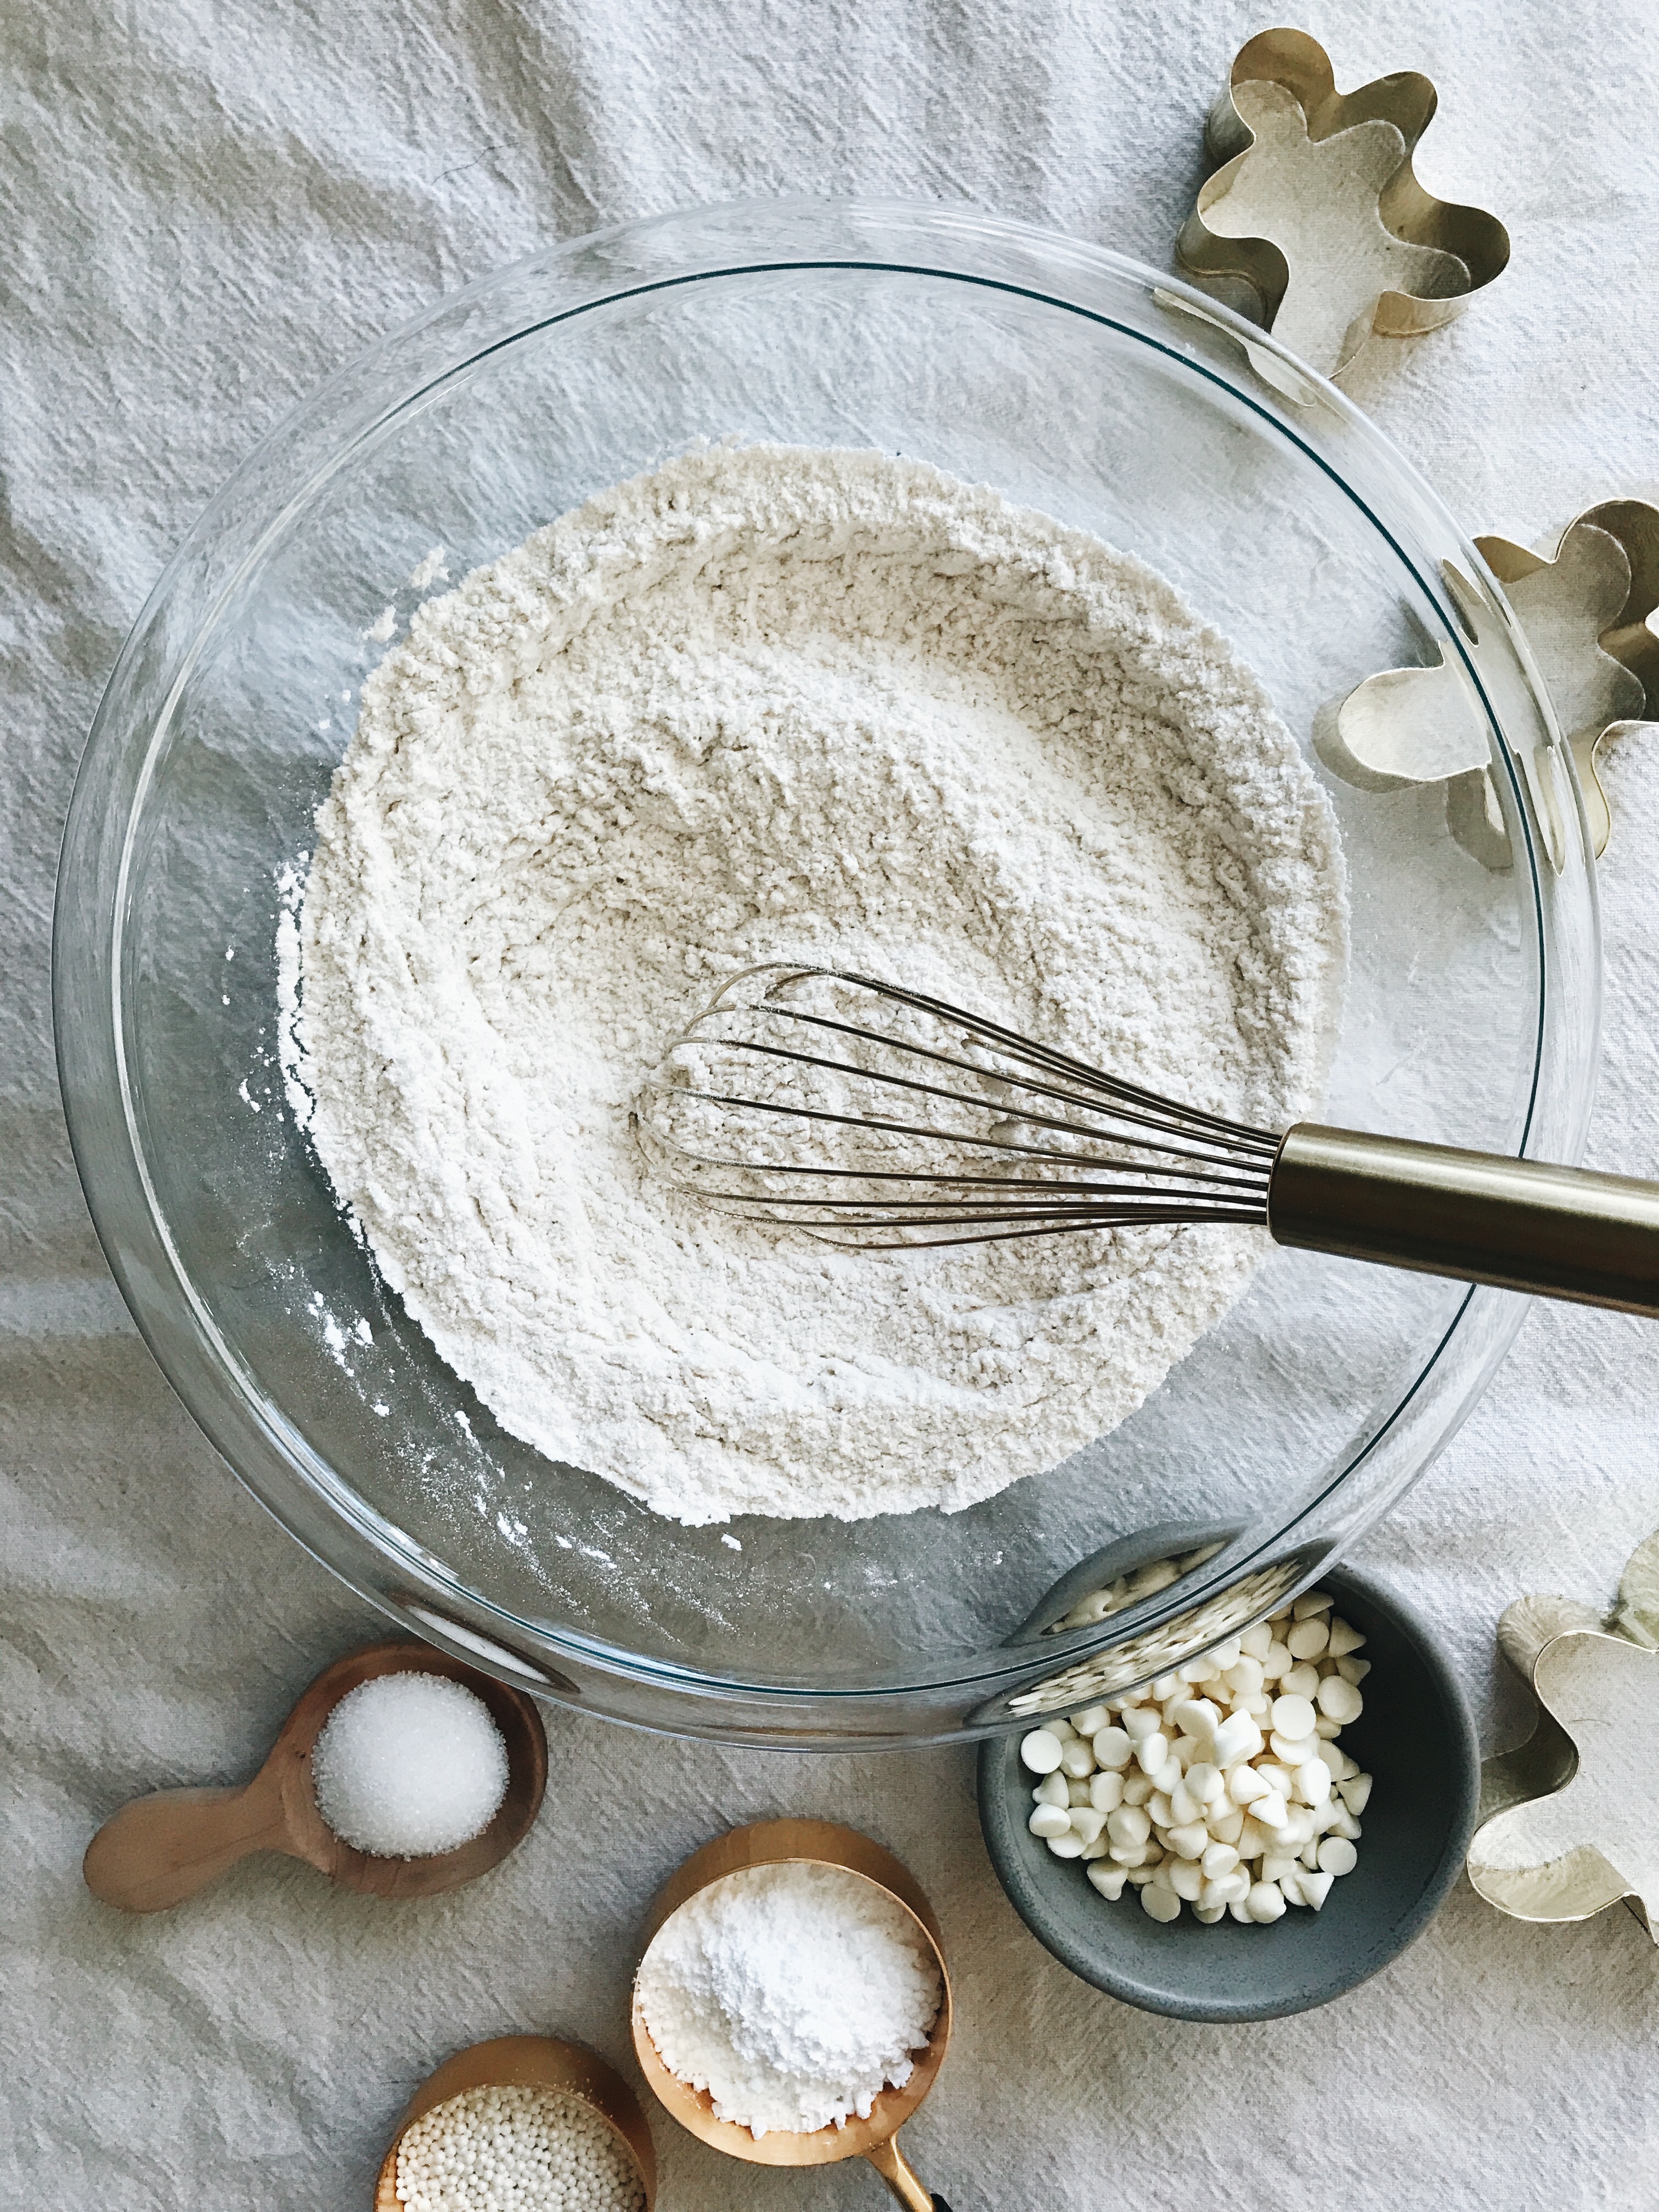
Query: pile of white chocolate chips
x,y
1222,1785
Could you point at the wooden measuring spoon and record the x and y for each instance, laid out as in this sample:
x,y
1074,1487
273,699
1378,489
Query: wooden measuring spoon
x,y
768,1843
531,2062
159,1849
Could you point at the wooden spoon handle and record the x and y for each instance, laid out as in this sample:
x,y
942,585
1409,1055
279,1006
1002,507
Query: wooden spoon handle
x,y
896,2171
159,1849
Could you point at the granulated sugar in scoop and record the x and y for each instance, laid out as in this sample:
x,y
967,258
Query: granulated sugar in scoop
x,y
794,1993
409,1765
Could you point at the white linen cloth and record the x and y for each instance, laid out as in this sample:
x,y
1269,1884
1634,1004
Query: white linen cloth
x,y
207,207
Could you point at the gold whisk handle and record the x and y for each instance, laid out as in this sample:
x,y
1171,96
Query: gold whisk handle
x,y
1522,1225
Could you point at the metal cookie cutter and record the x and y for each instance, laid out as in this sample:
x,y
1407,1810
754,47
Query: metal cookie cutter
x,y
1566,1826
1315,209
1589,610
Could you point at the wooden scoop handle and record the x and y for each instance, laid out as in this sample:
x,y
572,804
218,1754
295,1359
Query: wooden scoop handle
x,y
157,1851
896,2171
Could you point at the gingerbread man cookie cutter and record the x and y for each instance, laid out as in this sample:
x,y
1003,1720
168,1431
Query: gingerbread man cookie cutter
x,y
1314,221
1588,609
1566,1824
1590,613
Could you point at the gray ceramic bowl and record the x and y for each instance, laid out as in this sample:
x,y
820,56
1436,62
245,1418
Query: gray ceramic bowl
x,y
1415,1736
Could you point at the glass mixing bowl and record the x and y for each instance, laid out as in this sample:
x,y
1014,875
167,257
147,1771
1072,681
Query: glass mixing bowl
x,y
1076,382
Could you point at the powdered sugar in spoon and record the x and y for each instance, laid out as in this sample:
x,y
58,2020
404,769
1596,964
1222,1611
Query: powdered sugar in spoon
x,y
821,1843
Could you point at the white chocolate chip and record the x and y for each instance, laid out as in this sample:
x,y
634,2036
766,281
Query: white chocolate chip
x,y
1113,1746
1340,1701
1041,1750
1152,1750
1219,1785
1106,1792
1355,1790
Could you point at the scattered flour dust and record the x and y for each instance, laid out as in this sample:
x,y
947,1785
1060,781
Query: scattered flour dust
x,y
794,1993
770,703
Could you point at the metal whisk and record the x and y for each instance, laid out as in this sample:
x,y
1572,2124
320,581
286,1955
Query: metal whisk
x,y
879,1117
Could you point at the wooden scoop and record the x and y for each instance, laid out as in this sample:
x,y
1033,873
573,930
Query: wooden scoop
x,y
159,1849
767,1842
531,2062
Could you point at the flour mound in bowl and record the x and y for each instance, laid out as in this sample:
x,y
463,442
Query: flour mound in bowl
x,y
769,703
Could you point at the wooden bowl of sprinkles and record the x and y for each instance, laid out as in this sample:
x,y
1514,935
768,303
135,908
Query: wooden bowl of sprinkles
x,y
530,2062
768,1843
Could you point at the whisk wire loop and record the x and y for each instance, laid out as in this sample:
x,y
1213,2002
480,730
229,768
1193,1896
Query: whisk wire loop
x,y
745,1120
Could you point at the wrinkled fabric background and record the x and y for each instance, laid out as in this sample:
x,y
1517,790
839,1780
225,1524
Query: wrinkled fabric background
x,y
205,208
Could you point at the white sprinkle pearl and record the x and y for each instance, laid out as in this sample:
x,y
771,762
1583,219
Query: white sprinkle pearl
x,y
533,2150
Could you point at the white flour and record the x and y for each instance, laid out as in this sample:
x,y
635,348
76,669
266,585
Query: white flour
x,y
773,703
794,1994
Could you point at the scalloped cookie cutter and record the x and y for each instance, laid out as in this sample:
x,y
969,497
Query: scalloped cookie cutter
x,y
1315,208
1589,612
